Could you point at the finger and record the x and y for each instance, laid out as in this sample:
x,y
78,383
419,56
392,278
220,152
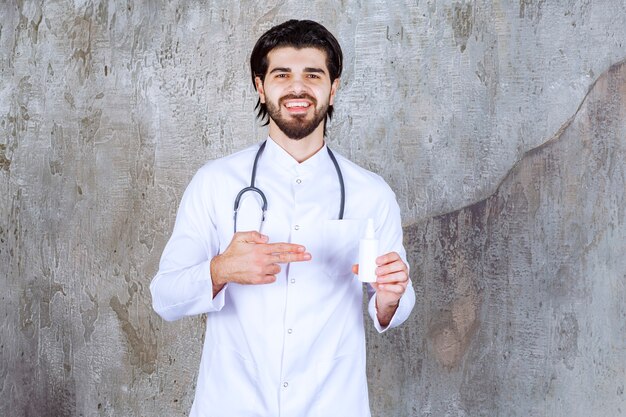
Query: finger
x,y
267,279
282,247
355,269
396,266
397,277
387,258
392,288
287,257
271,269
250,237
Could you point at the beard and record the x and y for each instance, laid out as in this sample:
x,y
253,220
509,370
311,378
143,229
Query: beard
x,y
297,127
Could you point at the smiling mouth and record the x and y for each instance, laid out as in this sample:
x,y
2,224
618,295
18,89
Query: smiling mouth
x,y
297,103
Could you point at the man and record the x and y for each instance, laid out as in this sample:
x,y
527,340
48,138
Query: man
x,y
284,332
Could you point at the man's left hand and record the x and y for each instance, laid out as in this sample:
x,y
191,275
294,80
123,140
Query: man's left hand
x,y
392,278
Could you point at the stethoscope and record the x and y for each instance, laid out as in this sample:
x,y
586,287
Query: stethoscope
x,y
259,192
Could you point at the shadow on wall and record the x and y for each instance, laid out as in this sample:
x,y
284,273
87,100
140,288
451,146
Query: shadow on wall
x,y
521,302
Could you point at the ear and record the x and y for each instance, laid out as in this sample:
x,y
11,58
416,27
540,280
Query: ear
x,y
259,88
333,91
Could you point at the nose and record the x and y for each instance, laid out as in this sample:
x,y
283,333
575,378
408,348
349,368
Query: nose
x,y
298,85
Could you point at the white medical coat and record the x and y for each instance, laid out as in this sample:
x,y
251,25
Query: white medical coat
x,y
296,347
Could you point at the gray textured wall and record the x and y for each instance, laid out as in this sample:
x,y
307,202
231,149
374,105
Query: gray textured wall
x,y
500,125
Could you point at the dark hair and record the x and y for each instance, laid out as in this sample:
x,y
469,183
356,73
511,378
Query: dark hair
x,y
297,34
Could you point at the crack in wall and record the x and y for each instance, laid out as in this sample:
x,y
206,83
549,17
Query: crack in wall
x,y
554,138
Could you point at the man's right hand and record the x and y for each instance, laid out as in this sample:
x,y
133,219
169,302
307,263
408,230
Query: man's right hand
x,y
249,259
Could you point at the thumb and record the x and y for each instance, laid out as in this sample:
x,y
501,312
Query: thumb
x,y
355,269
250,237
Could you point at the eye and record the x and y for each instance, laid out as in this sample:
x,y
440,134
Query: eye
x,y
282,75
313,76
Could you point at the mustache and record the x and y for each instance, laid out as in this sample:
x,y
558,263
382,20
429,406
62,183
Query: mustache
x,y
298,96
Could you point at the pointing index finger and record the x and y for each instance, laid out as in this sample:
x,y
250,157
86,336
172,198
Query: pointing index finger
x,y
282,247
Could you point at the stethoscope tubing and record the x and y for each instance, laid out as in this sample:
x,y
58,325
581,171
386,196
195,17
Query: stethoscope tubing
x,y
257,190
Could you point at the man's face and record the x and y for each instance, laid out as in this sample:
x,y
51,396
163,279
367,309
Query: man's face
x,y
297,90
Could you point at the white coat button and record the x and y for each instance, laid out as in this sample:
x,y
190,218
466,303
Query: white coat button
x,y
298,181
296,227
293,281
290,331
285,384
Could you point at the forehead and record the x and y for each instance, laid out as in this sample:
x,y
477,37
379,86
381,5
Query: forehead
x,y
290,57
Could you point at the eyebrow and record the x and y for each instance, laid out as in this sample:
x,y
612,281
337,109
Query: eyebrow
x,y
306,69
316,70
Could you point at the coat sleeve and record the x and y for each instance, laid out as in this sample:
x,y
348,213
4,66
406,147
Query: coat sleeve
x,y
390,240
183,286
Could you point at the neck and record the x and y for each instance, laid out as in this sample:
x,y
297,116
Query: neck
x,y
299,149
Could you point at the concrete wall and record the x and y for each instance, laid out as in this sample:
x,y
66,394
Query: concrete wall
x,y
500,125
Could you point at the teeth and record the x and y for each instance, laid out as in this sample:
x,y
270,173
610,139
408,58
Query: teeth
x,y
297,104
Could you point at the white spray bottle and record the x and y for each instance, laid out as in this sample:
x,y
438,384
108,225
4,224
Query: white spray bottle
x,y
368,252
